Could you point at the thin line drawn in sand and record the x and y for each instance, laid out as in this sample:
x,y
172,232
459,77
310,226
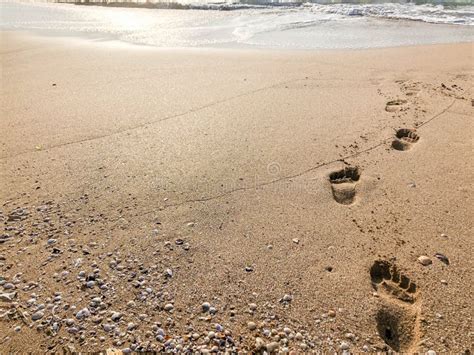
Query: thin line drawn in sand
x,y
162,119
343,184
297,174
405,138
398,318
270,182
288,177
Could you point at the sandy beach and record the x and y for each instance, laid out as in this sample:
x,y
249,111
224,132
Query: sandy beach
x,y
235,200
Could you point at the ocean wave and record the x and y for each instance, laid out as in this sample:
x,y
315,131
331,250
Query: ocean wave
x,y
431,13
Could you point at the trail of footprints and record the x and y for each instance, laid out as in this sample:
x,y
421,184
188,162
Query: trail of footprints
x,y
398,317
344,181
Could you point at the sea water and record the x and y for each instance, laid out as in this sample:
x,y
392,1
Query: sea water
x,y
234,24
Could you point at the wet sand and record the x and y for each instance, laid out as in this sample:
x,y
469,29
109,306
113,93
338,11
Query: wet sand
x,y
138,184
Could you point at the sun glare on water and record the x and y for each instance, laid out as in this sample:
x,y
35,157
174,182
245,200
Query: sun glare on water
x,y
128,20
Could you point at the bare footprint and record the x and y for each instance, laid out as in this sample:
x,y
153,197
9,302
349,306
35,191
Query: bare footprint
x,y
343,184
411,88
398,318
395,105
405,138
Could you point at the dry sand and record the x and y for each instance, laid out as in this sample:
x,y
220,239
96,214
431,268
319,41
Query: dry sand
x,y
146,182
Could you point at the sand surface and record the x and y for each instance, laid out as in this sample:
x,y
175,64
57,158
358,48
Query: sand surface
x,y
138,184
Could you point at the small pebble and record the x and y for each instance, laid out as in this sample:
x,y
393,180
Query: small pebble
x,y
424,260
259,344
272,347
83,313
116,316
344,346
287,298
37,315
205,307
90,284
108,327
251,325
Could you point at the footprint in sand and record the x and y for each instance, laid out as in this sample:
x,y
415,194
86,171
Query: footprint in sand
x,y
411,88
343,184
405,138
398,318
395,105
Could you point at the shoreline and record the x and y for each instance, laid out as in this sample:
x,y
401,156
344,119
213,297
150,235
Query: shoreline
x,y
110,43
235,200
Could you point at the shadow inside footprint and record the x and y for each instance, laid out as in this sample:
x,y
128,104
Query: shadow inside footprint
x,y
396,327
387,326
343,183
397,318
405,138
395,105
